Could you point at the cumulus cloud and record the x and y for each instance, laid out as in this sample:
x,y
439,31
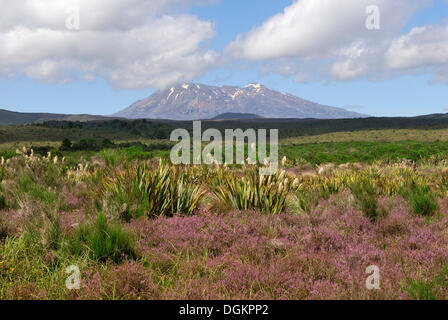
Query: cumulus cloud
x,y
329,35
421,49
133,43
312,28
141,43
421,46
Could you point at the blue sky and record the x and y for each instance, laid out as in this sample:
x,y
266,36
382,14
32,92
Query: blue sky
x,y
403,88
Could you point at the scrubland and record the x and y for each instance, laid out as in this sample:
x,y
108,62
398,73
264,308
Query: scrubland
x,y
140,228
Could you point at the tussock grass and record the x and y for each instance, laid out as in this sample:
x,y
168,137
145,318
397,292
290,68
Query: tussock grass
x,y
162,191
102,240
366,197
252,191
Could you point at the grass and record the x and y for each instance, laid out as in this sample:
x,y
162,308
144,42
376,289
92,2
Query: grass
x,y
421,290
423,201
424,289
386,135
366,197
365,146
364,151
103,241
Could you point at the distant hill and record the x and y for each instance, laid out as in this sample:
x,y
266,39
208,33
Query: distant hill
x,y
17,118
125,129
434,116
236,116
194,101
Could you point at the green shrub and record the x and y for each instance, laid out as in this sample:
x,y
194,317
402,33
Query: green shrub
x,y
307,201
366,197
4,228
421,290
86,144
51,176
3,204
66,144
24,183
103,241
43,195
111,157
7,154
429,289
134,152
420,197
423,201
55,152
53,234
3,174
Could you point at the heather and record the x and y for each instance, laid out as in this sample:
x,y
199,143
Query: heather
x,y
138,227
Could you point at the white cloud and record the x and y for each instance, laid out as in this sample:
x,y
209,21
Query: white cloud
x,y
141,43
133,43
329,35
421,46
422,49
316,28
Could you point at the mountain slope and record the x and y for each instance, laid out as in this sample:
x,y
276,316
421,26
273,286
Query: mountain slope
x,y
18,118
236,116
197,101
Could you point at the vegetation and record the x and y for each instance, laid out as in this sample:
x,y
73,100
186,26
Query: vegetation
x,y
364,151
302,130
102,241
138,227
365,194
164,191
252,191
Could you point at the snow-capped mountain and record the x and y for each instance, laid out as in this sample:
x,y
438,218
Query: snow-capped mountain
x,y
193,101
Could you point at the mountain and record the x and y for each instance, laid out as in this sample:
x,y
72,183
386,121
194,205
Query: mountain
x,y
193,101
18,118
236,116
433,116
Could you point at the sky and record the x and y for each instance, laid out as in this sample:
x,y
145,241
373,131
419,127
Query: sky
x,y
376,57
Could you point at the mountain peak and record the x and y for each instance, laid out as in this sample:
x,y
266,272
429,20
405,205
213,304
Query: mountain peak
x,y
193,101
186,86
254,86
